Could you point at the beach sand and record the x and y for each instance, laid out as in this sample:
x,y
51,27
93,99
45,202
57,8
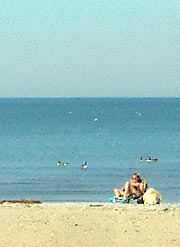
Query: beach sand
x,y
89,224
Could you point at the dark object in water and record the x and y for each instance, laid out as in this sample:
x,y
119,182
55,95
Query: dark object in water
x,y
148,159
84,165
62,163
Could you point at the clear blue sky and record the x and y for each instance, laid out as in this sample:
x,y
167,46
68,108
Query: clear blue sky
x,y
89,48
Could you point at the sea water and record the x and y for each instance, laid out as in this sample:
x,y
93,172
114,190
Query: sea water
x,y
111,134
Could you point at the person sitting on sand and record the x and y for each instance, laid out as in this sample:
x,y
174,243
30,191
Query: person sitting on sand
x,y
135,187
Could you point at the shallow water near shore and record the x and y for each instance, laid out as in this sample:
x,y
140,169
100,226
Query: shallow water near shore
x,y
111,134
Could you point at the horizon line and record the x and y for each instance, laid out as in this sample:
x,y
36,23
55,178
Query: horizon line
x,y
83,97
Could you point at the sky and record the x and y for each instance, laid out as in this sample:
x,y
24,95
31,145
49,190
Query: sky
x,y
90,48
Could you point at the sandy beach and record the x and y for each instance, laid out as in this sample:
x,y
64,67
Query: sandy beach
x,y
89,224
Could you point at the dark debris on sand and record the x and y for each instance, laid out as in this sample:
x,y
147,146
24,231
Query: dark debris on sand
x,y
23,201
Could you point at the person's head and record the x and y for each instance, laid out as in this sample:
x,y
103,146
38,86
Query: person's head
x,y
136,177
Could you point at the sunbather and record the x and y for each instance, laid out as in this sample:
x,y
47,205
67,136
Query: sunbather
x,y
135,187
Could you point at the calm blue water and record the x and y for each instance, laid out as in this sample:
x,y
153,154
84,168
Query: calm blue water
x,y
36,133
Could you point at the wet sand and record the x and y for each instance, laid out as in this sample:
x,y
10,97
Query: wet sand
x,y
89,224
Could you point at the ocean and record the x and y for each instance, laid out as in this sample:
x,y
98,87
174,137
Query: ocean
x,y
111,134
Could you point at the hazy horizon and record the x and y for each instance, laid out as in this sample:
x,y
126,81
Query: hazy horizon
x,y
84,97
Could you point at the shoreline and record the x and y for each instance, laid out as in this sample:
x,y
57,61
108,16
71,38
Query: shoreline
x,y
89,203
89,224
105,203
